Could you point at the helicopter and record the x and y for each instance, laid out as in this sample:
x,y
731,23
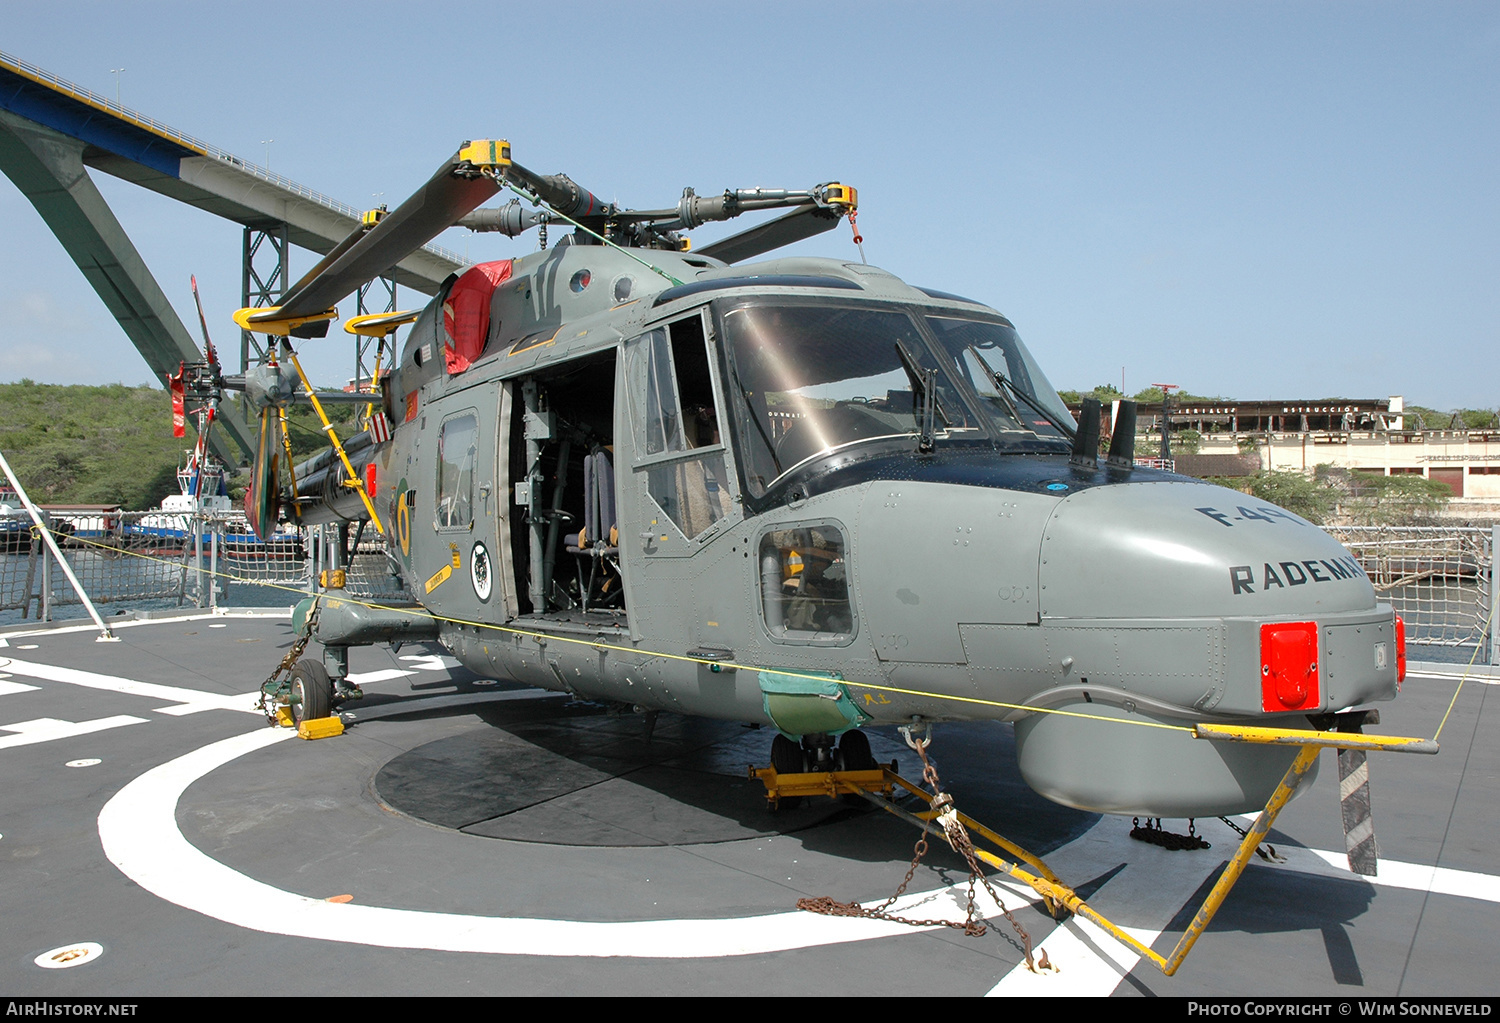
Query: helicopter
x,y
799,493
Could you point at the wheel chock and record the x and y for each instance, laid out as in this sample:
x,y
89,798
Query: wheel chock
x,y
284,718
320,728
822,783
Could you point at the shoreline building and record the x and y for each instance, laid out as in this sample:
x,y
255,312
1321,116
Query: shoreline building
x,y
1237,438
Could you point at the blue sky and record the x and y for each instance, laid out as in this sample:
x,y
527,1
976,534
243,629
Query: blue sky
x,y
1248,200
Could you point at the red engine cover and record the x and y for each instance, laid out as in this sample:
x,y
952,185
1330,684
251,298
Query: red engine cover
x,y
1289,666
466,313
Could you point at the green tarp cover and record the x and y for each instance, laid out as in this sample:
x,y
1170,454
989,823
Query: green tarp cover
x,y
807,702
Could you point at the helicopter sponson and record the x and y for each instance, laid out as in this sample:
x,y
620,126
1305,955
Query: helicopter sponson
x,y
805,494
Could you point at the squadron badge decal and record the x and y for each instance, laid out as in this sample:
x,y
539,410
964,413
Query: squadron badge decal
x,y
479,572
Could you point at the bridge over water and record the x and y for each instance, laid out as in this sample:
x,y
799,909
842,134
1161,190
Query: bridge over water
x,y
52,133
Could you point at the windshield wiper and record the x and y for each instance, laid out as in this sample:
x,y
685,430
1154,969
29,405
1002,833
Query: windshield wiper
x,y
924,391
1005,385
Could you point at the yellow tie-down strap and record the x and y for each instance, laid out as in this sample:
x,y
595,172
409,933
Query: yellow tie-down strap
x,y
1304,737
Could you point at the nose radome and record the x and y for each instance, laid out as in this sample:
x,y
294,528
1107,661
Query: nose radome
x,y
1189,550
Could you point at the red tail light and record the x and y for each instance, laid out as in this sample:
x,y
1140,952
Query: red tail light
x,y
1289,667
1400,652
370,479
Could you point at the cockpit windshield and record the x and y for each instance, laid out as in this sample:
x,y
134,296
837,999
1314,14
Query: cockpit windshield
x,y
810,379
991,359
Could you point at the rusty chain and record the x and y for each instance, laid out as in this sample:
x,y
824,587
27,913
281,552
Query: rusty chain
x,y
1261,850
958,838
1155,834
287,663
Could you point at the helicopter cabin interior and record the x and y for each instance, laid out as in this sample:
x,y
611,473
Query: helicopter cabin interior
x,y
563,443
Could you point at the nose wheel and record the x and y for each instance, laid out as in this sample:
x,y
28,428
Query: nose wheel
x,y
312,692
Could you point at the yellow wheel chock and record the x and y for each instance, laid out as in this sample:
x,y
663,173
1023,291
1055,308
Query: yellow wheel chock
x,y
320,728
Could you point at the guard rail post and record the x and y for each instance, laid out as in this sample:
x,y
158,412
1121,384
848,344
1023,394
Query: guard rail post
x,y
1494,595
44,608
197,525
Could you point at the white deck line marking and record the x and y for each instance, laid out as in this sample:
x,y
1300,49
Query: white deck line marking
x,y
1417,877
365,678
11,688
138,829
1098,968
431,662
1142,899
1484,680
29,733
188,701
115,626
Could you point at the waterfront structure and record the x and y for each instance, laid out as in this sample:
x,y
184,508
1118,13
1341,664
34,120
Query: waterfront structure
x,y
1236,438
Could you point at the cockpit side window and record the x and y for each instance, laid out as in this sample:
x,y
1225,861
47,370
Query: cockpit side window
x,y
804,580
677,434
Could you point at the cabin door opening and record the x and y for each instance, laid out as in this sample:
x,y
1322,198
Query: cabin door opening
x,y
564,540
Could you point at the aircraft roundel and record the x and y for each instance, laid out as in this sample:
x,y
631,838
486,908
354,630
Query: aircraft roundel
x,y
481,573
403,520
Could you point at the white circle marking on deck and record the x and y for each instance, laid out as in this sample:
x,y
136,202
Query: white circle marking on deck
x,y
138,829
86,762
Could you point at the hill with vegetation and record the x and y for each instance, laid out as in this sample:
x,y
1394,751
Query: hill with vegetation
x,y
111,444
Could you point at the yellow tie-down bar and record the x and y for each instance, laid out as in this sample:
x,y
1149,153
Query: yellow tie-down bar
x,y
1058,897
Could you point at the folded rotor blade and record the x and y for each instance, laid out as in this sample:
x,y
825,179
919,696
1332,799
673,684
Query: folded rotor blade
x,y
213,356
333,256
773,234
262,493
433,208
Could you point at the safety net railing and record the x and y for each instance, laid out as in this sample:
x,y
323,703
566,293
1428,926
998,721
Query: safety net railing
x,y
1437,578
148,560
372,573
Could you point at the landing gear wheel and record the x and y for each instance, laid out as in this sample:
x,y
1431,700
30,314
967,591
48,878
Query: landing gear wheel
x,y
786,757
854,751
312,691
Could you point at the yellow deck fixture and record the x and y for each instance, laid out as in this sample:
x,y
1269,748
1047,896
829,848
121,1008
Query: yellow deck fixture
x,y
354,479
262,319
379,324
823,783
1057,897
320,728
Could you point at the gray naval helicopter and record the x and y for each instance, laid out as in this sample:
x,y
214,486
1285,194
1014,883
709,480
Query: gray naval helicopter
x,y
806,494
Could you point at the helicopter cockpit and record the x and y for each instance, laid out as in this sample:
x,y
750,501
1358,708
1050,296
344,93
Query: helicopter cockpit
x,y
737,399
808,380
